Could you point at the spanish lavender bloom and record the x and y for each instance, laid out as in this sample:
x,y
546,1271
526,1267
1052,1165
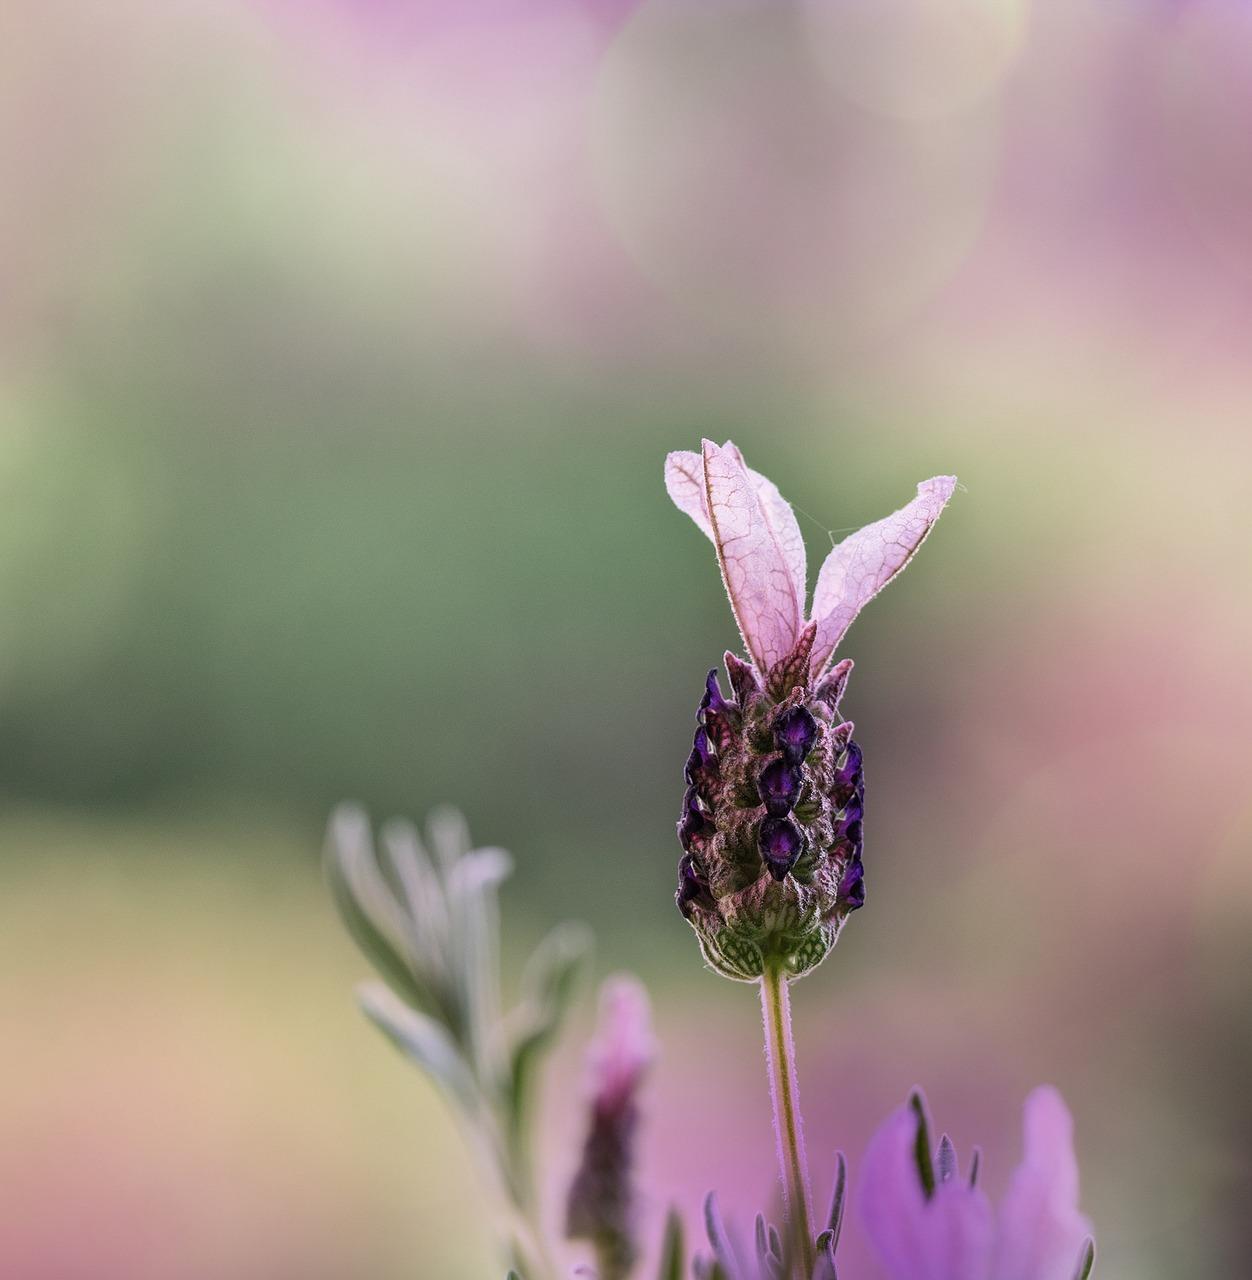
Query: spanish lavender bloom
x,y
601,1205
771,821
927,1222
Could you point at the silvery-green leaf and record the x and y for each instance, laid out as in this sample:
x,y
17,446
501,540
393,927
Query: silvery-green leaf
x,y
548,985
1086,1260
369,910
474,929
421,893
419,1038
448,836
672,1248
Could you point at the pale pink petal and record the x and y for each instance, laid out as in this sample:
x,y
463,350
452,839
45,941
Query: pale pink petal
x,y
684,481
1041,1230
947,1237
755,568
784,527
865,561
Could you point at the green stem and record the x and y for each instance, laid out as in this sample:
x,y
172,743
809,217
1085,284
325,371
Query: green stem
x,y
780,1057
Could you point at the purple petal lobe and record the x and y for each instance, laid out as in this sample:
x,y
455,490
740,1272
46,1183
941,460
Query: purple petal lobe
x,y
865,561
756,558
702,760
1041,1229
713,700
781,842
795,732
852,886
779,786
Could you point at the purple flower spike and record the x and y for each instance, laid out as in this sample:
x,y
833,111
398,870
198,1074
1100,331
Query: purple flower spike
x,y
779,785
795,731
781,844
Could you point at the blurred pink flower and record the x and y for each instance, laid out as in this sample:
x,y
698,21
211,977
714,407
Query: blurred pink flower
x,y
602,1203
926,1222
761,553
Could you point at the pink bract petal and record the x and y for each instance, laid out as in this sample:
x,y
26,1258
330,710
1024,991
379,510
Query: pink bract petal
x,y
1041,1230
948,1237
684,481
757,559
865,561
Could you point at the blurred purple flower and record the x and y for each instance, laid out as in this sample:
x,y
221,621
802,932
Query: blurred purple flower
x,y
602,1203
761,553
926,1222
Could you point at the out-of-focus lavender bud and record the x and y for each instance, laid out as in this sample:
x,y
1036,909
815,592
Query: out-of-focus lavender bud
x,y
601,1207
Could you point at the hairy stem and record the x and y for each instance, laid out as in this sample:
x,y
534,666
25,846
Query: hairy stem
x,y
780,1057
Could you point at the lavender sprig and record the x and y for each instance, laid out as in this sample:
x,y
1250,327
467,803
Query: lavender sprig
x,y
425,913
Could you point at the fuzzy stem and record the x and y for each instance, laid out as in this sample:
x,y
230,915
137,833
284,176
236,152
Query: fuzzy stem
x,y
780,1058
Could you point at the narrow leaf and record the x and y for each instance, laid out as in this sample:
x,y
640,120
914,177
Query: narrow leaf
x,y
419,1038
672,1256
719,1240
368,909
921,1148
834,1220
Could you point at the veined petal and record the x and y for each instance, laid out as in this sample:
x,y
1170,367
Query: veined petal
x,y
784,527
1041,1230
865,561
684,482
756,567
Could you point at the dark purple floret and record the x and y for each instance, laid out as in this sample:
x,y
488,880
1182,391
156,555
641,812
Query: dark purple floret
x,y
694,821
795,731
713,700
852,813
848,768
690,884
779,785
852,886
702,758
781,843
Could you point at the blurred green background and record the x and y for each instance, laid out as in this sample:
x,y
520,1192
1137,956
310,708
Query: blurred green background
x,y
340,348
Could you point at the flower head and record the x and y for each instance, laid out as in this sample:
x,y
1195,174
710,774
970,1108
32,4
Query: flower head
x,y
771,821
928,1222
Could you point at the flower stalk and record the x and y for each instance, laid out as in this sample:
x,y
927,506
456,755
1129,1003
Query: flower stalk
x,y
793,1167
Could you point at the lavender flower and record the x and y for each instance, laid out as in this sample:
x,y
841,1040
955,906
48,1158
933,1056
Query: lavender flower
x,y
601,1205
927,1222
771,821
